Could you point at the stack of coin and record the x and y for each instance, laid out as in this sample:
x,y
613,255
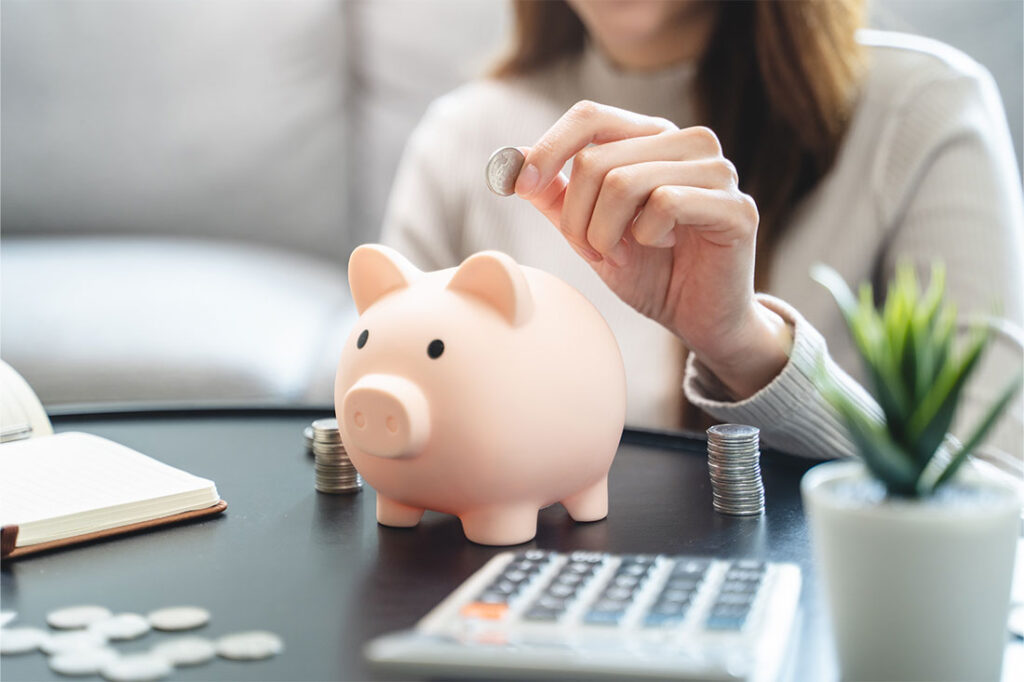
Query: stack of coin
x,y
334,470
734,462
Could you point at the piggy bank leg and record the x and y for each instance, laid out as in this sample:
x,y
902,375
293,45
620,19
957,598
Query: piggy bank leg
x,y
501,525
589,504
391,513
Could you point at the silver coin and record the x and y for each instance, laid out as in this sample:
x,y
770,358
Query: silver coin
x,y
121,627
179,618
72,641
503,169
74,617
82,662
6,617
730,431
15,641
137,668
188,650
249,646
307,437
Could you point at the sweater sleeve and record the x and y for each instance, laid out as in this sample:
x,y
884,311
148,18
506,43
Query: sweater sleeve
x,y
790,411
947,188
419,221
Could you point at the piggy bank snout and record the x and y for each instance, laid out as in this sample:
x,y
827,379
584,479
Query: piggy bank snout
x,y
386,416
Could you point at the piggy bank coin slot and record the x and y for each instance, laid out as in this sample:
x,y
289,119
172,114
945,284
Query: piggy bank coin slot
x,y
363,338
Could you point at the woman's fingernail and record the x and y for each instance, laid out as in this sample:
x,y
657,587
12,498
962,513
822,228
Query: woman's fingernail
x,y
527,181
619,254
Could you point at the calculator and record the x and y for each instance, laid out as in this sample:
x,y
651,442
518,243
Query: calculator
x,y
591,614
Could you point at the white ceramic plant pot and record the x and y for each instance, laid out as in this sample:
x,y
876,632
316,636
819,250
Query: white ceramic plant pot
x,y
916,589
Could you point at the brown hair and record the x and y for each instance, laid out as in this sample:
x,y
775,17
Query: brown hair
x,y
789,70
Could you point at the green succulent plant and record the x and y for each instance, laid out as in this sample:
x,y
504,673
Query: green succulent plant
x,y
916,374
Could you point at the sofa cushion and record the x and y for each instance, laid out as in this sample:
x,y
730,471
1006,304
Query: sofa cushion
x,y
107,319
222,119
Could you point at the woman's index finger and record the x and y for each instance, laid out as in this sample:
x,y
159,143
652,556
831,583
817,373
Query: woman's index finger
x,y
584,123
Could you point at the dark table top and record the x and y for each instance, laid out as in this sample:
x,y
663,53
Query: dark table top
x,y
320,572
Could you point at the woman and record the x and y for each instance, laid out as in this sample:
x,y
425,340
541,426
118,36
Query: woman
x,y
715,148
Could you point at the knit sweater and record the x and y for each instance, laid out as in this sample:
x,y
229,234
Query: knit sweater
x,y
926,171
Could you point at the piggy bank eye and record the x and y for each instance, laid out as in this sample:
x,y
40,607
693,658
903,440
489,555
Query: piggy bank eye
x,y
435,348
361,341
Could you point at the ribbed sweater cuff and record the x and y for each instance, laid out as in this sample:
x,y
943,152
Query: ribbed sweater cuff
x,y
790,411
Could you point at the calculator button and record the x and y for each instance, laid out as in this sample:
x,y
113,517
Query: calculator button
x,y
561,590
692,567
614,592
750,565
534,555
603,617
579,567
588,557
547,601
569,579
540,614
627,581
489,597
610,605
515,576
504,587
725,623
735,599
739,574
727,617
663,620
668,608
682,583
637,570
638,559
676,596
484,611
742,586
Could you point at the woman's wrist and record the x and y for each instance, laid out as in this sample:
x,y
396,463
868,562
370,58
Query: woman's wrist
x,y
758,352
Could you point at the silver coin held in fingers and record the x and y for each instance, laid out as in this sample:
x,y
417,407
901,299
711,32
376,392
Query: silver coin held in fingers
x,y
503,169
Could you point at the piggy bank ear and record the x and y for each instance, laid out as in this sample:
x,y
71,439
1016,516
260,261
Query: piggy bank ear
x,y
375,270
498,281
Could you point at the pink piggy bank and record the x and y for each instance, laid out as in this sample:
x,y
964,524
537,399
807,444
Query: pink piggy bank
x,y
486,391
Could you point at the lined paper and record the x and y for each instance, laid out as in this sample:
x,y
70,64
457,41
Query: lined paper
x,y
72,483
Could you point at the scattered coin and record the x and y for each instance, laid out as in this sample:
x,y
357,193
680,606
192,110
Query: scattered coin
x,y
137,668
6,617
249,646
120,627
334,470
187,650
74,617
72,641
734,463
82,662
179,618
15,641
503,169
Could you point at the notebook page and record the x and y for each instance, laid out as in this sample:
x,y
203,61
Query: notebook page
x,y
73,473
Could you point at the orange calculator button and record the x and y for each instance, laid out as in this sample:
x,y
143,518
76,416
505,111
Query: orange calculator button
x,y
485,611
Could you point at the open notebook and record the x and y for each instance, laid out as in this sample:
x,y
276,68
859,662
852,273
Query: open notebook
x,y
67,488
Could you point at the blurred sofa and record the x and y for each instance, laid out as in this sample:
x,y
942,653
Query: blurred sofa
x,y
182,182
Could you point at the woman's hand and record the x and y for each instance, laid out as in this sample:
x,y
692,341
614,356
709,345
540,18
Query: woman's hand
x,y
658,213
